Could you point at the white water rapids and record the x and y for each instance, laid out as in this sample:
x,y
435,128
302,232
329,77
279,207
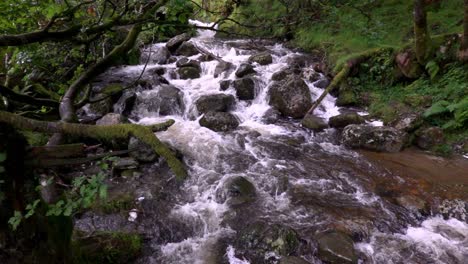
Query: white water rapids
x,y
323,191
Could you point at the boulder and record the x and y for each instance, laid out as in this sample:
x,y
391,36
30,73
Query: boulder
x,y
283,74
293,260
244,69
185,62
223,66
215,103
343,120
322,84
186,49
158,56
336,248
189,73
224,85
429,137
271,116
262,58
411,202
141,151
112,119
125,103
299,60
176,41
206,57
157,71
167,100
100,108
346,96
408,122
291,97
245,88
381,139
236,191
314,123
219,121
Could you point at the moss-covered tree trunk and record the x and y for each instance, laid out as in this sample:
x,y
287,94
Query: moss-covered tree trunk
x,y
421,32
463,54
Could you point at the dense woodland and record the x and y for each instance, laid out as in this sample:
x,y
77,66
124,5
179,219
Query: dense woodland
x,y
394,58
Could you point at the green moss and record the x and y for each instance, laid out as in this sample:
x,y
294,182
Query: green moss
x,y
112,89
35,138
106,247
119,204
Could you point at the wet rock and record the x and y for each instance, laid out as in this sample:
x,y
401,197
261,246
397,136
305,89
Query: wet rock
x,y
293,260
346,96
112,119
408,122
284,73
224,85
158,56
125,164
314,122
219,121
126,102
382,139
141,151
215,103
176,41
343,120
258,240
311,75
185,62
271,116
172,60
244,69
157,71
291,97
263,58
206,57
336,248
100,108
236,191
322,84
166,100
299,60
411,203
245,88
187,49
429,137
223,66
189,73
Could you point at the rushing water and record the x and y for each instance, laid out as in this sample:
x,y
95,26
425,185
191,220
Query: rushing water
x,y
303,181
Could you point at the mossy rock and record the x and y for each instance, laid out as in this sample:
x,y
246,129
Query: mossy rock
x,y
347,96
106,247
119,204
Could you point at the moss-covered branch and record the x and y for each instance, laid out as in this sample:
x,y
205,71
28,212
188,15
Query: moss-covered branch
x,y
120,131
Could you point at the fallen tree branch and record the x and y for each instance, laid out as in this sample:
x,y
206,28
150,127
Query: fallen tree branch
x,y
26,99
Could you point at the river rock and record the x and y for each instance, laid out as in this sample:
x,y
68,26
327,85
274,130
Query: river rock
x,y
185,62
411,203
125,164
215,102
322,84
244,69
167,100
224,85
219,121
158,56
262,58
284,73
314,122
141,151
236,191
125,103
245,88
187,49
291,97
112,119
336,248
223,66
429,137
271,116
100,108
189,73
408,122
293,260
382,139
157,71
176,41
299,60
343,120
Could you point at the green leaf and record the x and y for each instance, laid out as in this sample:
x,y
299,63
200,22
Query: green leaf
x,y
437,109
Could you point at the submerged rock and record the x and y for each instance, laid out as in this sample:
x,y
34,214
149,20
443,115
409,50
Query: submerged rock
x,y
189,73
236,191
263,58
245,88
291,97
245,69
112,119
336,248
215,103
383,139
429,137
176,41
219,121
343,120
314,122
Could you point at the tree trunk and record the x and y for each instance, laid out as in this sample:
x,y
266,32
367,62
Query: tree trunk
x,y
463,53
421,33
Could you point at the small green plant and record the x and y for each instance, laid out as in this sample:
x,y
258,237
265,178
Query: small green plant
x,y
433,69
453,116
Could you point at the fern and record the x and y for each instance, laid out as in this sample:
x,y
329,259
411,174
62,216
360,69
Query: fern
x,y
433,69
438,108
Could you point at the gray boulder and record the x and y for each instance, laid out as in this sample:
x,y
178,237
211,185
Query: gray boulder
x,y
291,97
381,139
215,103
223,67
176,41
125,103
244,69
336,247
314,123
112,119
141,151
293,260
185,62
224,85
157,56
283,74
343,120
322,84
219,121
187,49
167,100
189,73
263,58
408,122
245,88
236,191
429,137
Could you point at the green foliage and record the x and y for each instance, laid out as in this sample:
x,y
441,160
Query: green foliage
x,y
432,68
450,115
